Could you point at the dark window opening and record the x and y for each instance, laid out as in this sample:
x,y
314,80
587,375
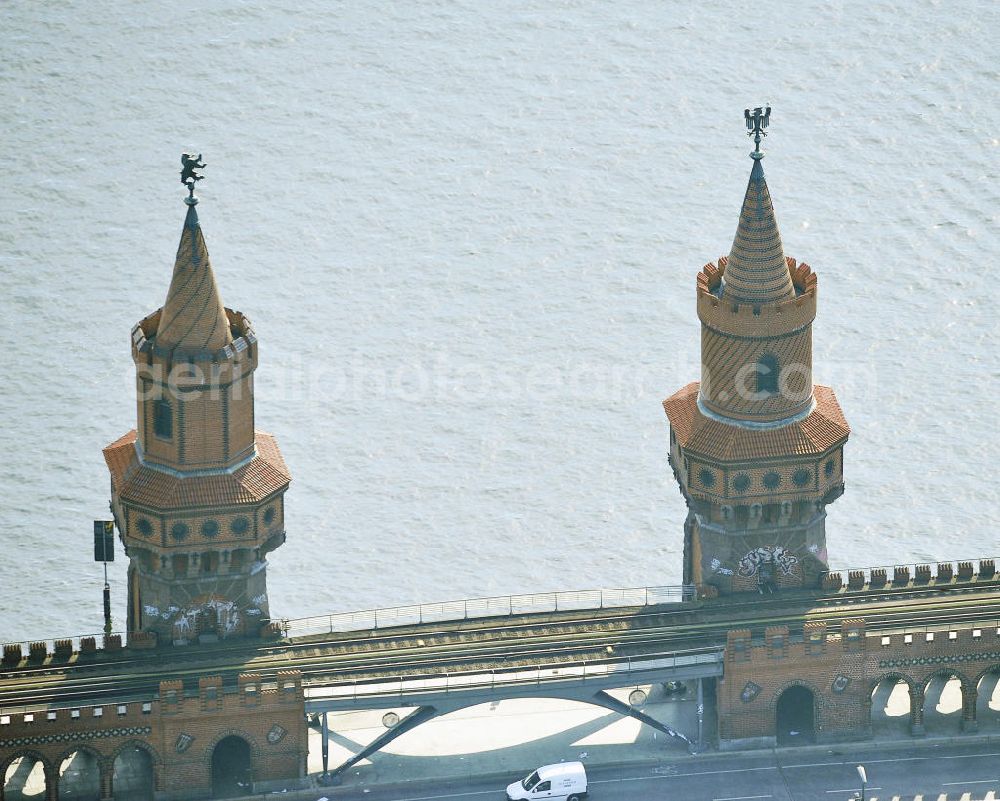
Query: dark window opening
x,y
767,375
163,419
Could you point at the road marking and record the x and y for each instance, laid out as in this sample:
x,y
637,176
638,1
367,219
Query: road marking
x,y
896,759
450,795
970,781
853,790
679,776
742,797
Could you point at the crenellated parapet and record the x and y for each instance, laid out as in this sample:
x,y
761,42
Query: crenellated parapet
x,y
939,576
761,320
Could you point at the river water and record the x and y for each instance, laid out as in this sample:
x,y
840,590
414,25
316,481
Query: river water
x,y
467,235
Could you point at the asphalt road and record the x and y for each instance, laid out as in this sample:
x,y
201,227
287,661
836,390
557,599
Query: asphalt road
x,y
921,773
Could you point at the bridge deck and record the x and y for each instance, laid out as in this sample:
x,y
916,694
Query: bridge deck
x,y
474,646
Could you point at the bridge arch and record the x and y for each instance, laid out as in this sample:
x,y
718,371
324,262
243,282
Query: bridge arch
x,y
135,770
885,703
233,760
988,698
795,708
83,771
15,773
949,699
421,714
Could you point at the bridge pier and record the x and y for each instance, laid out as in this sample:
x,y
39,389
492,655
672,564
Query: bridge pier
x,y
107,774
970,695
917,712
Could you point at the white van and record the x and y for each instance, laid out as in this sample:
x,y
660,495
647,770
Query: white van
x,y
566,781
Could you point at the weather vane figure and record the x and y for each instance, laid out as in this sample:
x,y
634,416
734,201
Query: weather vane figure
x,y
757,121
190,176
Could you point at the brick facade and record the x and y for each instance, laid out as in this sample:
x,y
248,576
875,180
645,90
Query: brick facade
x,y
178,731
842,669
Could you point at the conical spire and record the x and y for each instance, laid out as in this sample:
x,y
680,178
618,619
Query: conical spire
x,y
757,272
193,320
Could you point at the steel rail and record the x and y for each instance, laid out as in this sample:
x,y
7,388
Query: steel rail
x,y
517,645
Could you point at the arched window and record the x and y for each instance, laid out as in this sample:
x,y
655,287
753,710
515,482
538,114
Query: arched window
x,y
163,419
767,374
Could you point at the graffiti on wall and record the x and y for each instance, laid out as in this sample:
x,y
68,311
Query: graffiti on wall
x,y
718,568
208,616
751,562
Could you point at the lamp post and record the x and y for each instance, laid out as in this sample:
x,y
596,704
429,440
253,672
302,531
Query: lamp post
x,y
863,775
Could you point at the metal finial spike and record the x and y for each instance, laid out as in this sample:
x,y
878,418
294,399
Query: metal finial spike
x,y
757,122
190,176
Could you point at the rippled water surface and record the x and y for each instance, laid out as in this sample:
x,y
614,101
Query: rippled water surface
x,y
467,235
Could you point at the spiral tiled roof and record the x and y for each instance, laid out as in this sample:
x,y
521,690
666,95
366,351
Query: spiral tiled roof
x,y
757,272
193,320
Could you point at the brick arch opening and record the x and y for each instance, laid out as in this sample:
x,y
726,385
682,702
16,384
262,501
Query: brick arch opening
x,y
795,716
943,696
891,707
26,776
133,773
232,767
988,699
80,774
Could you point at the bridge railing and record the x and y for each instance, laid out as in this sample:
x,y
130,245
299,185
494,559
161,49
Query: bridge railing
x,y
476,608
628,668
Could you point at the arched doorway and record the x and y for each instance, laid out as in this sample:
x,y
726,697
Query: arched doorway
x,y
232,768
943,704
80,777
795,716
132,777
25,779
891,708
988,700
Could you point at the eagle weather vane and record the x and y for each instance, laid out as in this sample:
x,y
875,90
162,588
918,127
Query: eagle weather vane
x,y
190,175
757,121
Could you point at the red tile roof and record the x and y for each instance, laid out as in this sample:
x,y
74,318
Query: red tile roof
x,y
136,483
822,429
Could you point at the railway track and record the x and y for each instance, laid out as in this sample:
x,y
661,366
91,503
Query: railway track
x,y
492,644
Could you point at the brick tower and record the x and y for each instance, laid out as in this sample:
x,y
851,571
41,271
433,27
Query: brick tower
x,y
755,447
197,493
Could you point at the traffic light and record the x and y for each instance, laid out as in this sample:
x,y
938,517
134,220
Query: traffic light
x,y
104,540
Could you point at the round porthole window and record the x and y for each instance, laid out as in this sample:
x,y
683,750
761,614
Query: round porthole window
x,y
179,531
706,477
801,477
240,525
269,515
209,528
144,526
741,483
772,480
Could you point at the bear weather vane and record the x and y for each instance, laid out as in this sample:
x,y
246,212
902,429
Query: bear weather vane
x,y
190,175
757,121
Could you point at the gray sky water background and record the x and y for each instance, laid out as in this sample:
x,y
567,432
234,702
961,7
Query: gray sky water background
x,y
467,235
